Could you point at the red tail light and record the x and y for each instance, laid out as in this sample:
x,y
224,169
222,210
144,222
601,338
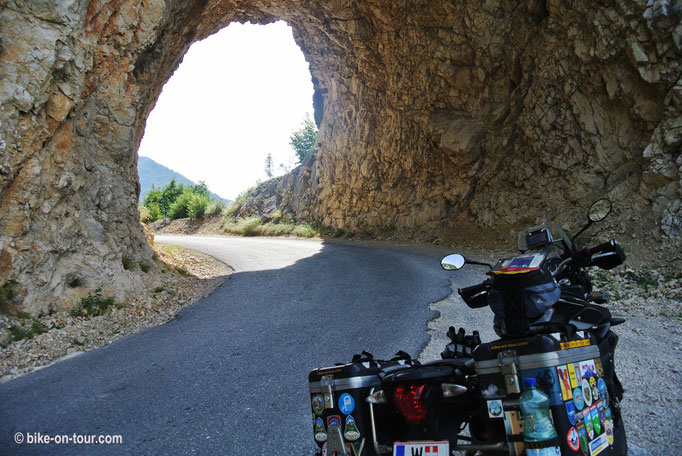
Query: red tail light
x,y
408,398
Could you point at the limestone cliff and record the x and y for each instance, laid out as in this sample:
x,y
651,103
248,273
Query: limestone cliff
x,y
430,111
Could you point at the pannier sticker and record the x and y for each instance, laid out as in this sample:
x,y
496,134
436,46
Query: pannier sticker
x,y
587,392
589,428
599,367
495,409
329,371
564,382
570,411
598,445
588,369
604,392
583,437
346,404
578,374
572,376
574,344
348,447
320,431
358,447
318,404
578,398
573,439
608,430
601,412
334,420
595,419
595,391
509,345
351,432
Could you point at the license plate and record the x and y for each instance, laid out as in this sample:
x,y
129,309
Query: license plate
x,y
421,448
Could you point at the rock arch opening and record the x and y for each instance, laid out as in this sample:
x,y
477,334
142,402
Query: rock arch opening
x,y
233,101
431,114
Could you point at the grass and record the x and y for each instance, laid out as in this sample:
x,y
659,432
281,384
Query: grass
x,y
26,329
254,226
95,303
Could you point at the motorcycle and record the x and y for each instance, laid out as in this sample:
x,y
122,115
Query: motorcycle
x,y
551,325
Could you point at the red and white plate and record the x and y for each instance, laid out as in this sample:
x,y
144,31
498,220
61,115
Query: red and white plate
x,y
441,448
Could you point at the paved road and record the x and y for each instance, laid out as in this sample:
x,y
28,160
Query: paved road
x,y
229,374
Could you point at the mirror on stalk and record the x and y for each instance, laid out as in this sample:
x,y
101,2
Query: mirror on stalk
x,y
599,210
452,262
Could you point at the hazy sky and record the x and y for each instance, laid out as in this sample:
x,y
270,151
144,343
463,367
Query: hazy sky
x,y
236,96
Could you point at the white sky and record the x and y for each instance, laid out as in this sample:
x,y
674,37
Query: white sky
x,y
236,96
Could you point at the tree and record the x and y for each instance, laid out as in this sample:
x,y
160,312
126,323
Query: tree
x,y
303,139
268,165
169,194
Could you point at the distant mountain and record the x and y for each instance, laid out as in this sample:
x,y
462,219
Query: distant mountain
x,y
152,173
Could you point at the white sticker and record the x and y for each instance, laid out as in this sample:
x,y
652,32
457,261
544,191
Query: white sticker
x,y
495,409
598,445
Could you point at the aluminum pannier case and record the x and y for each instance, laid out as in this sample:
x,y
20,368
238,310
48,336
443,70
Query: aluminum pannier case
x,y
342,418
579,379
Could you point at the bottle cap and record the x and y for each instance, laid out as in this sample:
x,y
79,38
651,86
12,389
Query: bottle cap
x,y
529,381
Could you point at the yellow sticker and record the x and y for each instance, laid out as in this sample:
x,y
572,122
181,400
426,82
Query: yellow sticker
x,y
572,376
509,345
575,343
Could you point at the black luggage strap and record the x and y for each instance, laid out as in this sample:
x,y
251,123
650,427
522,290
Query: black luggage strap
x,y
401,356
363,357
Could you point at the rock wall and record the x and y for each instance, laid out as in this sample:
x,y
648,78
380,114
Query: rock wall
x,y
432,115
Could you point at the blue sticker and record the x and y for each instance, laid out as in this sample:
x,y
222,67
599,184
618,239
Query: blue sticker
x,y
570,411
604,392
578,399
346,404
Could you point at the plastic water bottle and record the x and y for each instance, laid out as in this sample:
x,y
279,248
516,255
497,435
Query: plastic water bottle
x,y
539,434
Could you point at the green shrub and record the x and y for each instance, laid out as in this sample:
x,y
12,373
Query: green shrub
x,y
95,303
197,206
178,209
216,207
251,227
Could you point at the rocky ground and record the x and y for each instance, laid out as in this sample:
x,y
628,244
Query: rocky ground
x,y
29,344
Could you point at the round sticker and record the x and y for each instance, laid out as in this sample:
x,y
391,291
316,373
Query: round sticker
x,y
495,409
573,439
578,399
346,404
587,392
318,404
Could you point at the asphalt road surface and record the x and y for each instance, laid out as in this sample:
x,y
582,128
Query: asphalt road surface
x,y
229,374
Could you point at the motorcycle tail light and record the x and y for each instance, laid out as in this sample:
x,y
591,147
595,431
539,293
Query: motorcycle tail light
x,y
409,400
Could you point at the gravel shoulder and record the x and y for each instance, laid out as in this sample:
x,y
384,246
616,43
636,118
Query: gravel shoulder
x,y
186,277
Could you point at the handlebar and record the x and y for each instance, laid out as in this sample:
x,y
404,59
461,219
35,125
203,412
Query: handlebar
x,y
476,296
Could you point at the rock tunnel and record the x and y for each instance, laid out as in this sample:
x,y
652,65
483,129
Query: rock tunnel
x,y
433,115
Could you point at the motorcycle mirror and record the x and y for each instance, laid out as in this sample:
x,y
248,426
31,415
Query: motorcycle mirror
x,y
599,210
452,262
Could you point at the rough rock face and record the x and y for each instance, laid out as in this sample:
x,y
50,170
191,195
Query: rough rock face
x,y
485,113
